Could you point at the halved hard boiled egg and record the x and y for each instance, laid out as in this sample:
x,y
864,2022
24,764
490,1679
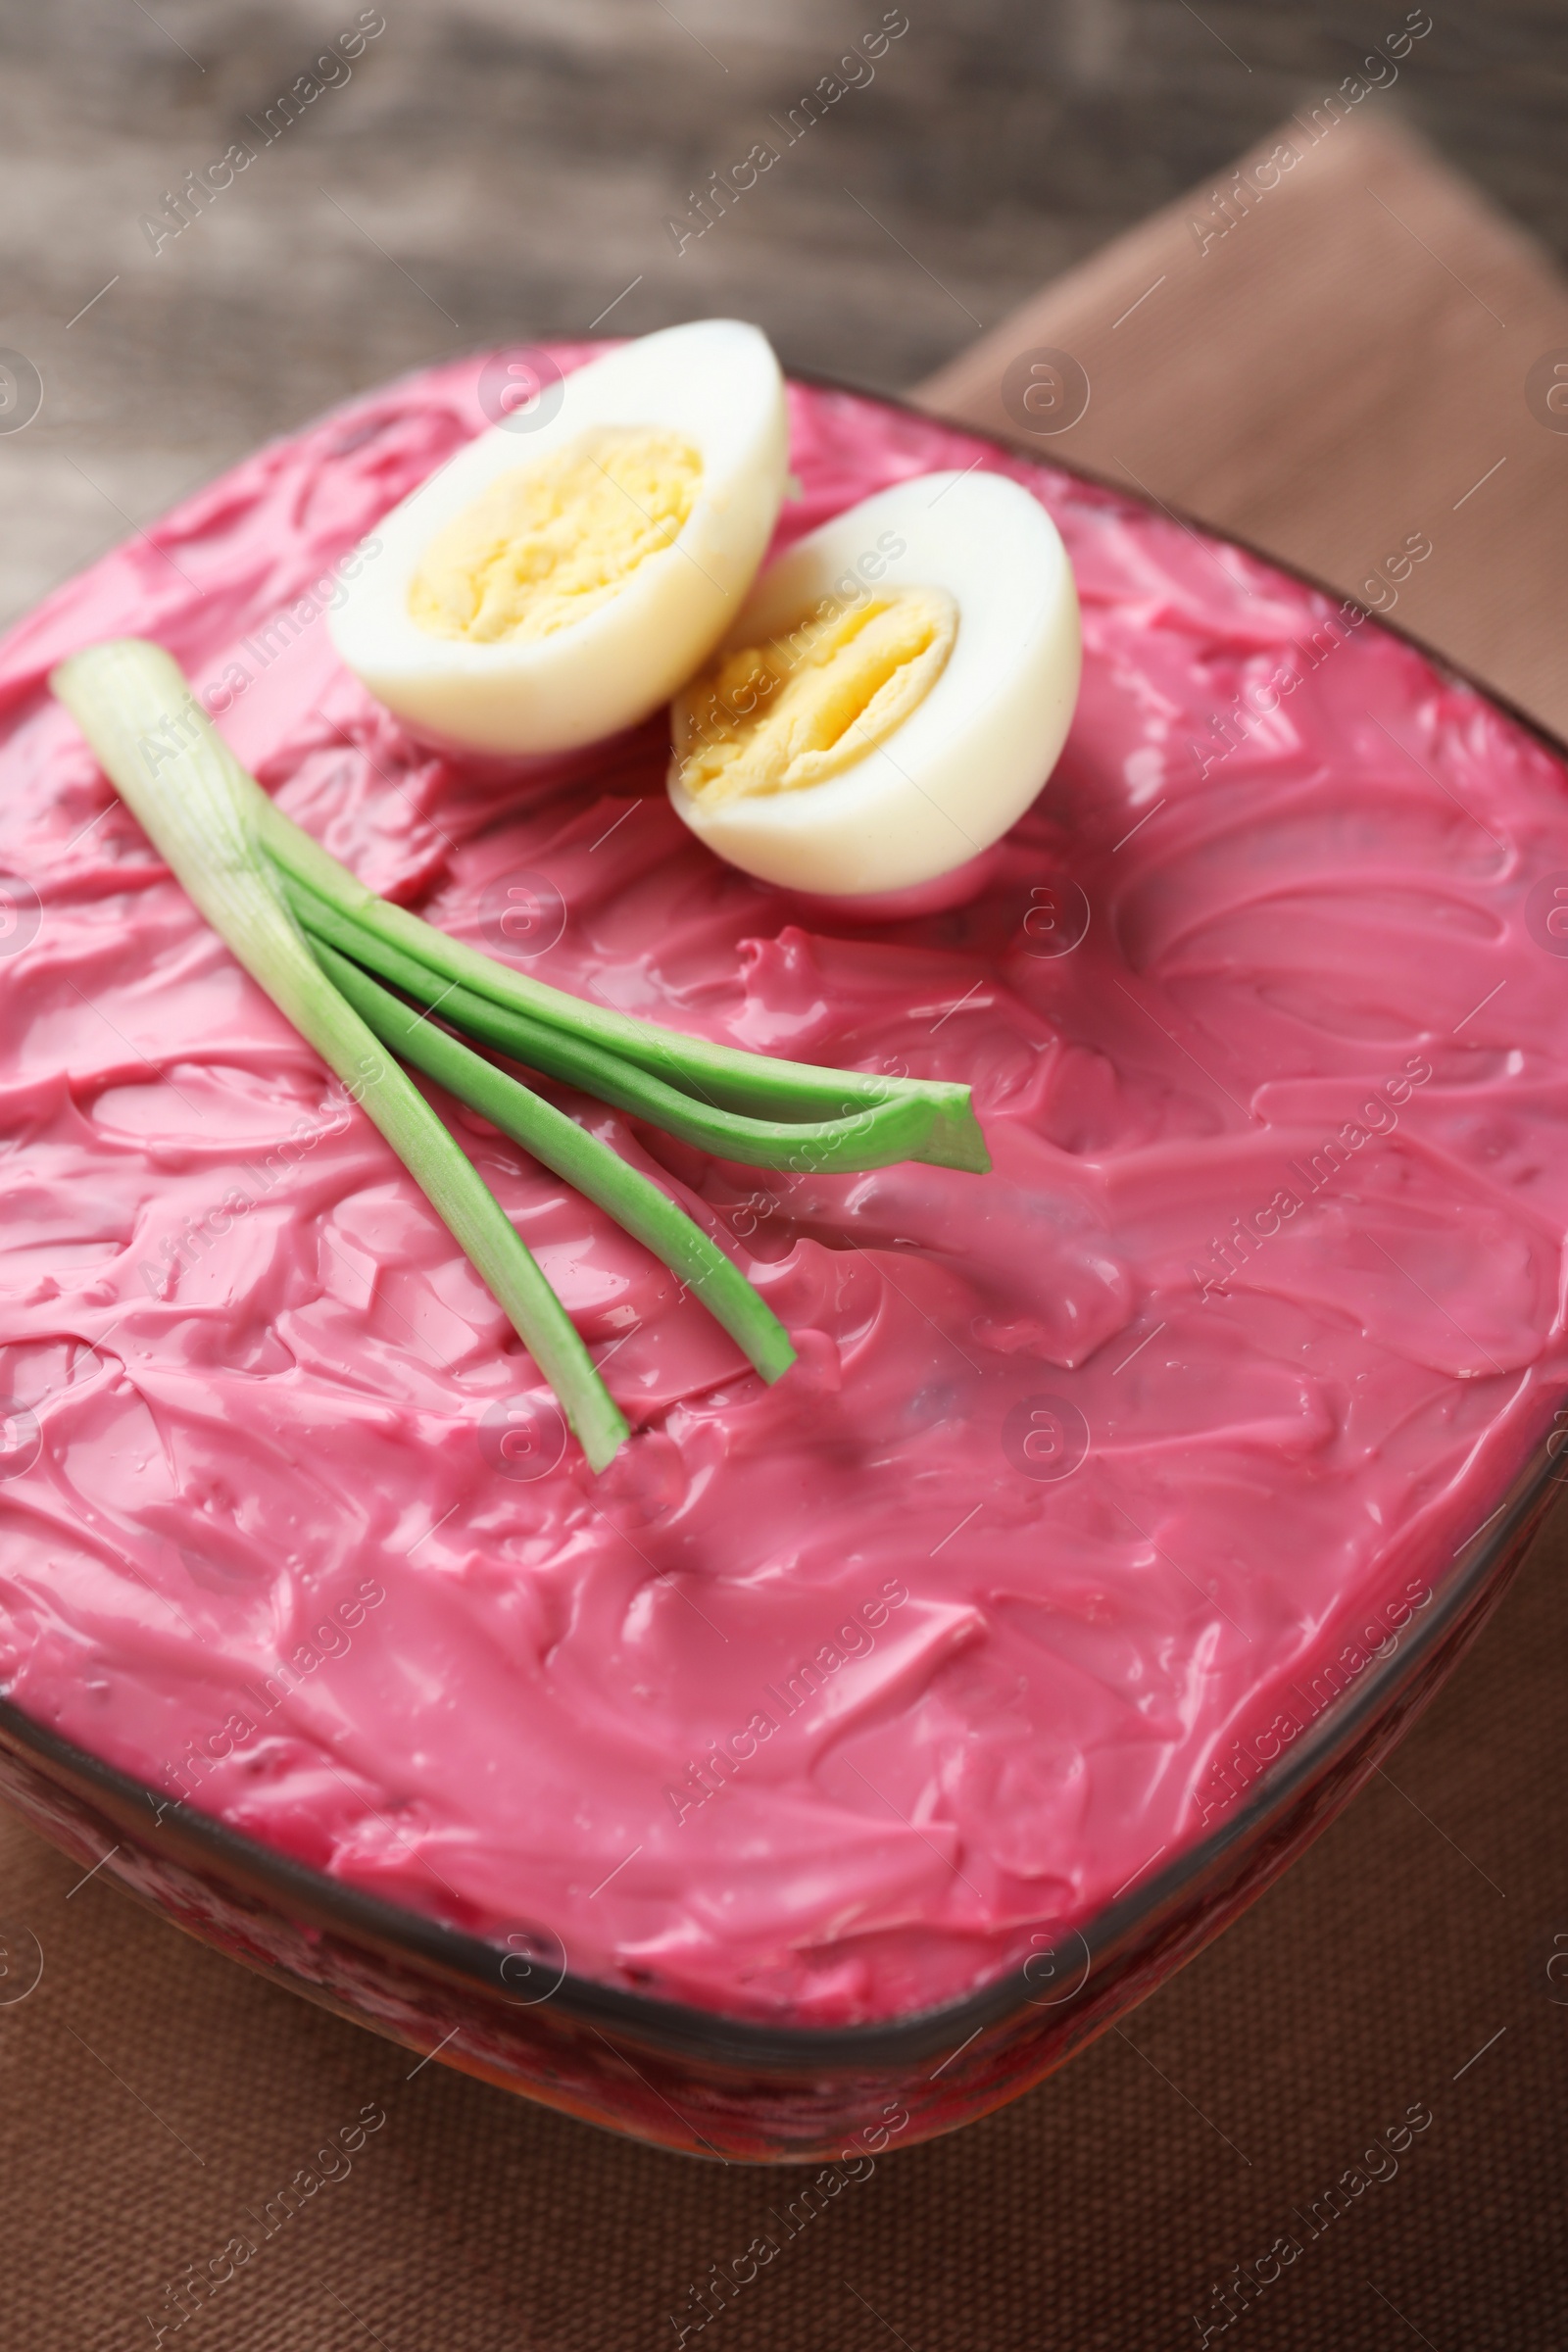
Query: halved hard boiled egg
x,y
557,581
894,694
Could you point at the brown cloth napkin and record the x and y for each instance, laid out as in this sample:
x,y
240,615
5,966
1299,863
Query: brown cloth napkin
x,y
1327,356
1392,2017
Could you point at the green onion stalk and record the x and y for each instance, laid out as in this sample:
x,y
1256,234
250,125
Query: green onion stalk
x,y
331,956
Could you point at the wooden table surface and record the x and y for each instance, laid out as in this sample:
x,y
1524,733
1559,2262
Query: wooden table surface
x,y
492,170
487,169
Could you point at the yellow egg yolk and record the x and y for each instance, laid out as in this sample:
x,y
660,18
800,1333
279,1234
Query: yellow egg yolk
x,y
545,545
806,706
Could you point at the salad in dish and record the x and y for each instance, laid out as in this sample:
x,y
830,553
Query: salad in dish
x,y
1051,1325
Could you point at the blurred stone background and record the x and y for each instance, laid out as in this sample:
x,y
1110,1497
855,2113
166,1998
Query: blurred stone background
x,y
492,170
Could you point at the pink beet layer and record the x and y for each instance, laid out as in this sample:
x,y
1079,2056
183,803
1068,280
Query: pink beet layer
x,y
1097,1475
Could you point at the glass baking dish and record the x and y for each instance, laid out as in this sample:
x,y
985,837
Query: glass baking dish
x,y
709,2085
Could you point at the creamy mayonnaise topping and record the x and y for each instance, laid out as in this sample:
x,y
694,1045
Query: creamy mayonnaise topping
x,y
1098,1475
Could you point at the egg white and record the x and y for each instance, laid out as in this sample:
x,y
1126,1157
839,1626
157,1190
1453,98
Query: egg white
x,y
718,384
973,754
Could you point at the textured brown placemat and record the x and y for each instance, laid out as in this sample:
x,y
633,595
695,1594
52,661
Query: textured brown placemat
x,y
1328,357
154,2097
